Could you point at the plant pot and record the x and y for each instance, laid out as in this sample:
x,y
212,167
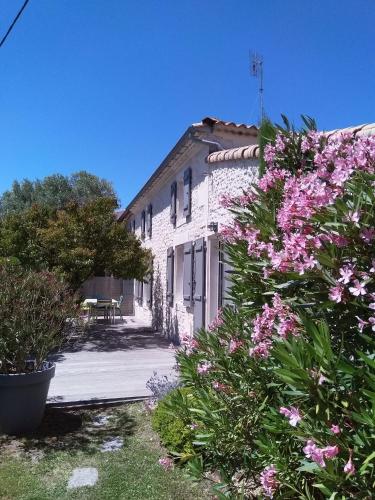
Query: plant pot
x,y
23,399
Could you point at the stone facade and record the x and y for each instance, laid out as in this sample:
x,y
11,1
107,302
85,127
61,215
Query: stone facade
x,y
209,181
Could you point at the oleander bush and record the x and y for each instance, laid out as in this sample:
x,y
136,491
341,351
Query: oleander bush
x,y
37,313
283,382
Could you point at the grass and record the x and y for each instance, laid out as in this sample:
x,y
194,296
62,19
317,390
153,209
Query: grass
x,y
38,466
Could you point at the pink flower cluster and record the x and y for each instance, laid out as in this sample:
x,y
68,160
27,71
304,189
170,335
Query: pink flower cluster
x,y
292,414
218,386
189,344
319,455
268,481
217,322
277,318
234,344
305,194
204,368
166,463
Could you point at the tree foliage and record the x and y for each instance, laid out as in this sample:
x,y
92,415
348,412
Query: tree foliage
x,y
78,242
55,192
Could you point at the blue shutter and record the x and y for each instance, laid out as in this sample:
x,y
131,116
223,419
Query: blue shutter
x,y
170,275
187,192
188,274
173,213
143,224
225,275
199,286
133,225
150,282
149,220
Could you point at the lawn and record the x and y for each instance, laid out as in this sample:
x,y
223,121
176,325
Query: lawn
x,y
39,466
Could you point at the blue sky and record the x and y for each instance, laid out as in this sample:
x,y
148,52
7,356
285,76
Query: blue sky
x,y
109,86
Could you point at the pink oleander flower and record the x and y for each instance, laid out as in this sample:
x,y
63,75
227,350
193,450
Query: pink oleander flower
x,y
358,289
372,323
234,345
292,414
204,368
330,451
372,269
335,429
268,481
367,234
166,463
216,322
336,293
361,324
352,216
193,426
349,466
261,350
346,274
322,379
316,454
218,386
319,455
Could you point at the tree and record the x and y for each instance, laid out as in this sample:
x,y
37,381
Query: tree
x,y
55,192
77,243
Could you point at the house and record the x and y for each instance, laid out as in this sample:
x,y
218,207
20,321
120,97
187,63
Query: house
x,y
177,214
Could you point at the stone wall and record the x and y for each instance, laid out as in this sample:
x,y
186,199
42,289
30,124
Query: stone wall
x,y
209,183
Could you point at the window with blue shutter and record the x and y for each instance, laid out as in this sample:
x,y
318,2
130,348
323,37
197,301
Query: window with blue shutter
x,y
170,275
173,212
143,224
199,283
149,220
188,274
225,282
187,192
133,225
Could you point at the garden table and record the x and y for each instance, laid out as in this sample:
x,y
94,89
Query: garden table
x,y
108,305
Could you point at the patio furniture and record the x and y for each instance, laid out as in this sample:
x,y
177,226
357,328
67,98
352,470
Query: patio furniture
x,y
117,307
105,306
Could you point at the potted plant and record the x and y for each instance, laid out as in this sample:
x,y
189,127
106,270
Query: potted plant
x,y
36,314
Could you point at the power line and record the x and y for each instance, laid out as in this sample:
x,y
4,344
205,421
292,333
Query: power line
x,y
13,23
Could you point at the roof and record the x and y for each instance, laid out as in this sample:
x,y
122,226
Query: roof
x,y
208,124
242,153
252,152
365,129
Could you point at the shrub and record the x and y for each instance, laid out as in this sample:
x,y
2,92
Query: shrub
x,y
171,421
36,315
283,382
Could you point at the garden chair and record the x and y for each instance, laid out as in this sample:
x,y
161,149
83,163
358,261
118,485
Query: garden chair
x,y
118,307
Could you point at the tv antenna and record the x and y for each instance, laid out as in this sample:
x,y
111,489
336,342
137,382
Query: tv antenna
x,y
256,68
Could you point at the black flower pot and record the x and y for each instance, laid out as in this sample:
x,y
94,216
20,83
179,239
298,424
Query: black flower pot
x,y
23,399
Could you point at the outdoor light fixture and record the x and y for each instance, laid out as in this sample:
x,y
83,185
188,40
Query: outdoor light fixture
x,y
213,226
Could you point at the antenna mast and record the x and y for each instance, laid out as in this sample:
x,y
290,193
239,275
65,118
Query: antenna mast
x,y
256,61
